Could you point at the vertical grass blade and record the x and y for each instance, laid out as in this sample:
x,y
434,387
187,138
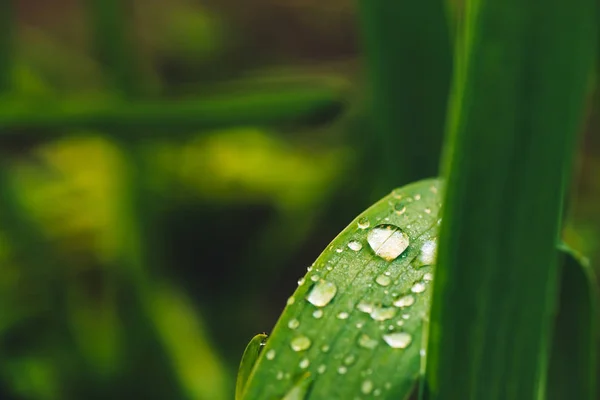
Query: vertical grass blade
x,y
516,105
6,43
409,59
573,362
248,360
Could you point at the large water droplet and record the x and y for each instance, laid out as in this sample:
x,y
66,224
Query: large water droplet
x,y
383,313
388,241
270,354
383,280
405,301
366,342
366,387
322,293
293,324
300,343
398,340
418,287
354,245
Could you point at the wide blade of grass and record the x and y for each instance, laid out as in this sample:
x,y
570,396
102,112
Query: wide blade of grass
x,y
573,361
409,63
516,106
355,322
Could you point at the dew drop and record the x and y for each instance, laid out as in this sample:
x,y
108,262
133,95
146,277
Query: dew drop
x,y
309,268
400,323
405,316
365,307
383,313
366,342
290,301
322,368
270,354
400,208
343,315
418,287
376,392
342,370
300,343
428,277
423,352
350,359
322,293
317,314
387,241
301,281
397,193
325,348
363,223
366,387
433,189
427,210
304,363
354,245
417,197
293,324
383,280
315,278
405,301
398,340
428,253
360,324
279,375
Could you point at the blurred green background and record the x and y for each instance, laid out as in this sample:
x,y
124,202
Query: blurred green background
x,y
138,262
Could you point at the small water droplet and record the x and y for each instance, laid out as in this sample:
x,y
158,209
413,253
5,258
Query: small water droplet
x,y
387,385
279,375
322,293
433,189
315,278
398,340
418,287
405,301
427,210
270,354
309,268
317,313
293,324
342,370
339,250
354,245
325,348
383,313
322,368
365,307
349,359
400,208
417,197
290,300
423,352
383,280
400,323
363,223
343,315
376,392
300,343
428,277
387,241
397,193
366,342
301,281
366,387
428,253
405,316
304,363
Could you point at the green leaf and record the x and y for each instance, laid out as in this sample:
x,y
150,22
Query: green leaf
x,y
248,360
355,322
573,361
517,103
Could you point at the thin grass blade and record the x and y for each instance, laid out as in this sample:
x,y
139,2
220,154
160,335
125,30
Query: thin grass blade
x,y
248,360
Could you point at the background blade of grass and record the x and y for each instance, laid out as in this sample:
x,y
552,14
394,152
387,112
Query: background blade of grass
x,y
409,58
135,118
573,361
248,360
342,340
496,280
6,45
